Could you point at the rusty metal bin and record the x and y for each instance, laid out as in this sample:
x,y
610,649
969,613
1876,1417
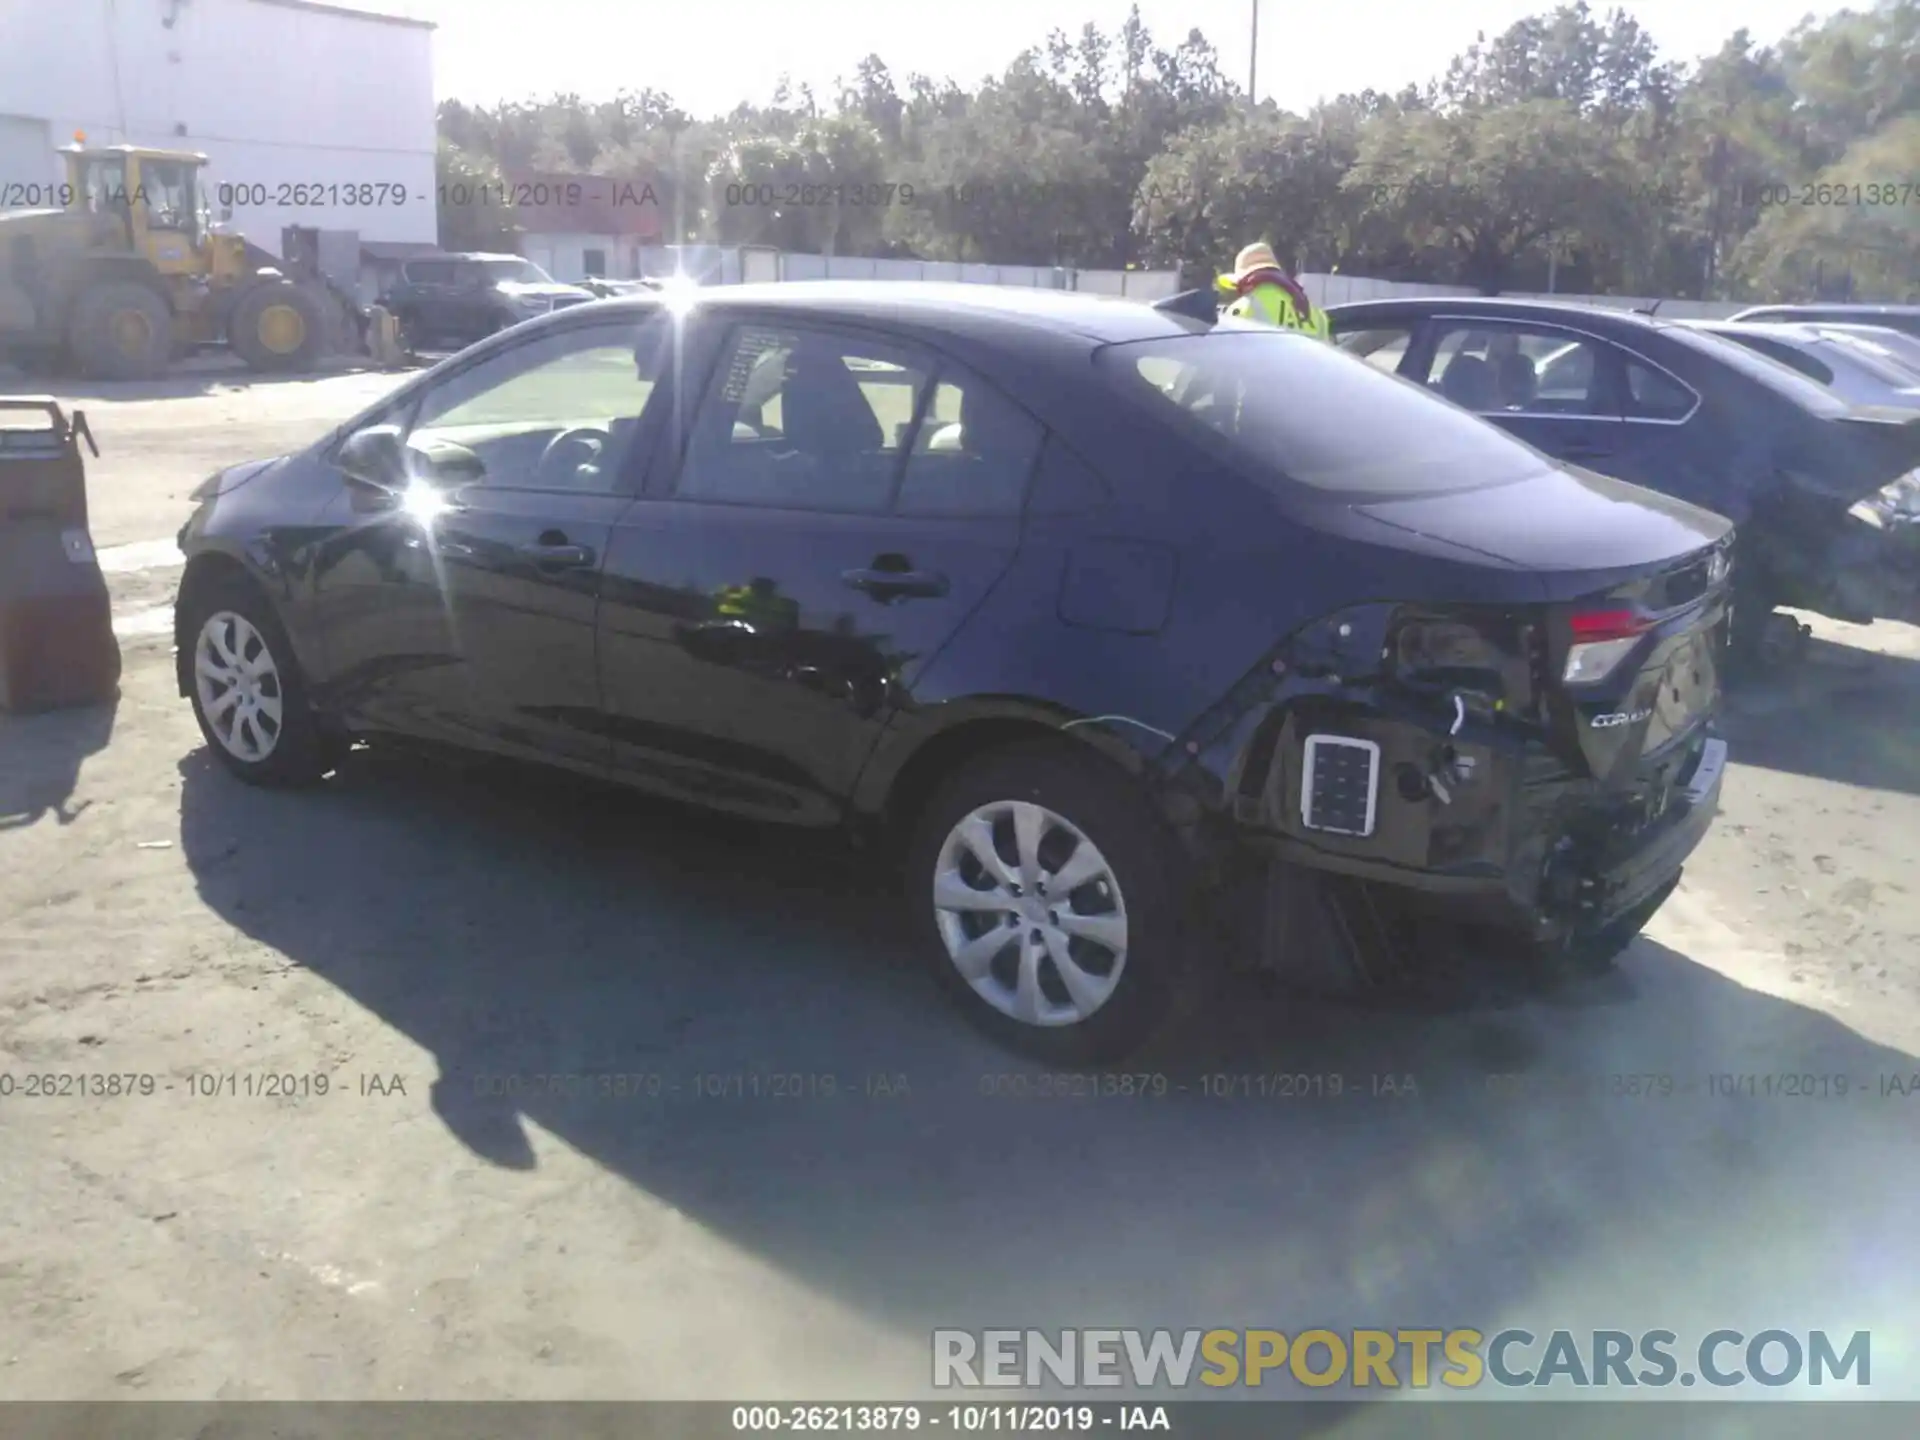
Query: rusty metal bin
x,y
57,647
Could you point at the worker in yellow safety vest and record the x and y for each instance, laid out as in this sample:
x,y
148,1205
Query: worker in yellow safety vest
x,y
1268,294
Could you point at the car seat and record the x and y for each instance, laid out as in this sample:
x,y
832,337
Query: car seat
x,y
1469,382
1517,381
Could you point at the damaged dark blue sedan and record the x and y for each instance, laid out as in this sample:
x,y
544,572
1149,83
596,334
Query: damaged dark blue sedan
x,y
1082,609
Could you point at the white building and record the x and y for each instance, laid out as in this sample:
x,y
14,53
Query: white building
x,y
309,114
573,226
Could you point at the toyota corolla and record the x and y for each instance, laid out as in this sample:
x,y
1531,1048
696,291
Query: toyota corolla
x,y
1078,606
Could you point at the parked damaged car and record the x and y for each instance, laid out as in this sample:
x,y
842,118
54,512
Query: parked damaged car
x,y
453,300
1662,404
1093,617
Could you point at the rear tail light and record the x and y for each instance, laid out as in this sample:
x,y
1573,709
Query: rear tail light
x,y
1601,640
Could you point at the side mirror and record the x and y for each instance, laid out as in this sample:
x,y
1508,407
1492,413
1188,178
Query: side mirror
x,y
374,459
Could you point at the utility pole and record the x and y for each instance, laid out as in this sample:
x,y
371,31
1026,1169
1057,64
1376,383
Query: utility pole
x,y
1253,59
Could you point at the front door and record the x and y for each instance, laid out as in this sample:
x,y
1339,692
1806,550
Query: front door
x,y
843,503
1553,388
466,612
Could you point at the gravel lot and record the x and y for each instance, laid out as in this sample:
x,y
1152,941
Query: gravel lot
x,y
413,937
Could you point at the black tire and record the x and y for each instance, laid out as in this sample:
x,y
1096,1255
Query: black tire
x,y
303,751
121,330
278,326
1154,980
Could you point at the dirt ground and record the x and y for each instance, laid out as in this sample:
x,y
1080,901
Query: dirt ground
x,y
809,1171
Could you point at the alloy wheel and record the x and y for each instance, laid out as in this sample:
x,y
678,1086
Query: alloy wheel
x,y
1031,913
239,686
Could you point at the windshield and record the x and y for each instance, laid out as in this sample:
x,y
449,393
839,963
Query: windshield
x,y
516,272
103,183
1303,411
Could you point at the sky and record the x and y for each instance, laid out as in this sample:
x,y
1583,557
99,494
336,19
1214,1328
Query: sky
x,y
711,57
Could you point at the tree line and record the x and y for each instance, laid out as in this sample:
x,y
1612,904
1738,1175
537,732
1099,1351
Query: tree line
x,y
1563,150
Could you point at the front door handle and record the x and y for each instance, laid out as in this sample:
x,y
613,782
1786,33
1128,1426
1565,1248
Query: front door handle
x,y
558,557
896,584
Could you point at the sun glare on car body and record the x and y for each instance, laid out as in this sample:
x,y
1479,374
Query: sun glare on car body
x,y
422,502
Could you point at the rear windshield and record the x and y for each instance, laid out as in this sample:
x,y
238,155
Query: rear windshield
x,y
1788,384
1876,360
1304,411
1787,354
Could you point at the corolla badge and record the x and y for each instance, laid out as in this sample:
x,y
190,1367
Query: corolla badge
x,y
1619,717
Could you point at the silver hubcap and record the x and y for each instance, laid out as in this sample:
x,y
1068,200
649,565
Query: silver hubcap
x,y
238,685
1031,913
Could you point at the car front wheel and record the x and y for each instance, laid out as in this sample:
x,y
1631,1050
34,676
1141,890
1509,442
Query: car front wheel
x,y
248,694
1046,892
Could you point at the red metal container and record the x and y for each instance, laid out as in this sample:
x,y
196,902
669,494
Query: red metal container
x,y
57,647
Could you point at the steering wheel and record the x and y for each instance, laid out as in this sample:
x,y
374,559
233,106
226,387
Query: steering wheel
x,y
560,462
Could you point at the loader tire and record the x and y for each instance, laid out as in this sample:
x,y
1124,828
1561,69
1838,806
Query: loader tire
x,y
122,331
278,326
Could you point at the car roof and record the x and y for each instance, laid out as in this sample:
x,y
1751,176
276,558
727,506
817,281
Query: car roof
x,y
1492,306
1793,332
986,311
1810,310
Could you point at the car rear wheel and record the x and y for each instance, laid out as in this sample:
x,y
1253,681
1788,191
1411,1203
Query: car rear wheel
x,y
248,694
1044,888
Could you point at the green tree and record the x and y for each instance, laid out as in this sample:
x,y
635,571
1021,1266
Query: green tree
x,y
1491,184
473,211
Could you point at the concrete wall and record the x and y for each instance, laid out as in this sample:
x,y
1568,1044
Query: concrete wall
x,y
1341,289
276,94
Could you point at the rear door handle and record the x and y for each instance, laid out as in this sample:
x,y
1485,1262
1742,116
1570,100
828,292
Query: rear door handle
x,y
558,557
894,584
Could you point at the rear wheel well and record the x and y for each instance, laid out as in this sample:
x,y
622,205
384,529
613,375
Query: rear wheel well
x,y
933,763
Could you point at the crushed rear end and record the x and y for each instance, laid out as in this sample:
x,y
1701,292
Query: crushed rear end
x,y
1498,729
1541,771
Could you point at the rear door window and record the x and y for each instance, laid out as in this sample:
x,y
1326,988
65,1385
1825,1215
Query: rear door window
x,y
1655,395
809,419
1493,368
1294,411
973,453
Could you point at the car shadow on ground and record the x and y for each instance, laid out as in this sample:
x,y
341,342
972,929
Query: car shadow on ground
x,y
1271,1163
40,760
1841,713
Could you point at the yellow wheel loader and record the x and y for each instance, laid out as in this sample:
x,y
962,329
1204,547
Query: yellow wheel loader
x,y
133,271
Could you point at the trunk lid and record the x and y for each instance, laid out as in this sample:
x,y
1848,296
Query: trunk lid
x,y
1881,443
1629,670
1631,584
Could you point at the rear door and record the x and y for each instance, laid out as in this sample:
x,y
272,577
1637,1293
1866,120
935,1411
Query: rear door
x,y
841,504
1555,388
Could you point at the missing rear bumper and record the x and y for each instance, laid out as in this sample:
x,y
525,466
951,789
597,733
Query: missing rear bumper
x,y
1350,929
